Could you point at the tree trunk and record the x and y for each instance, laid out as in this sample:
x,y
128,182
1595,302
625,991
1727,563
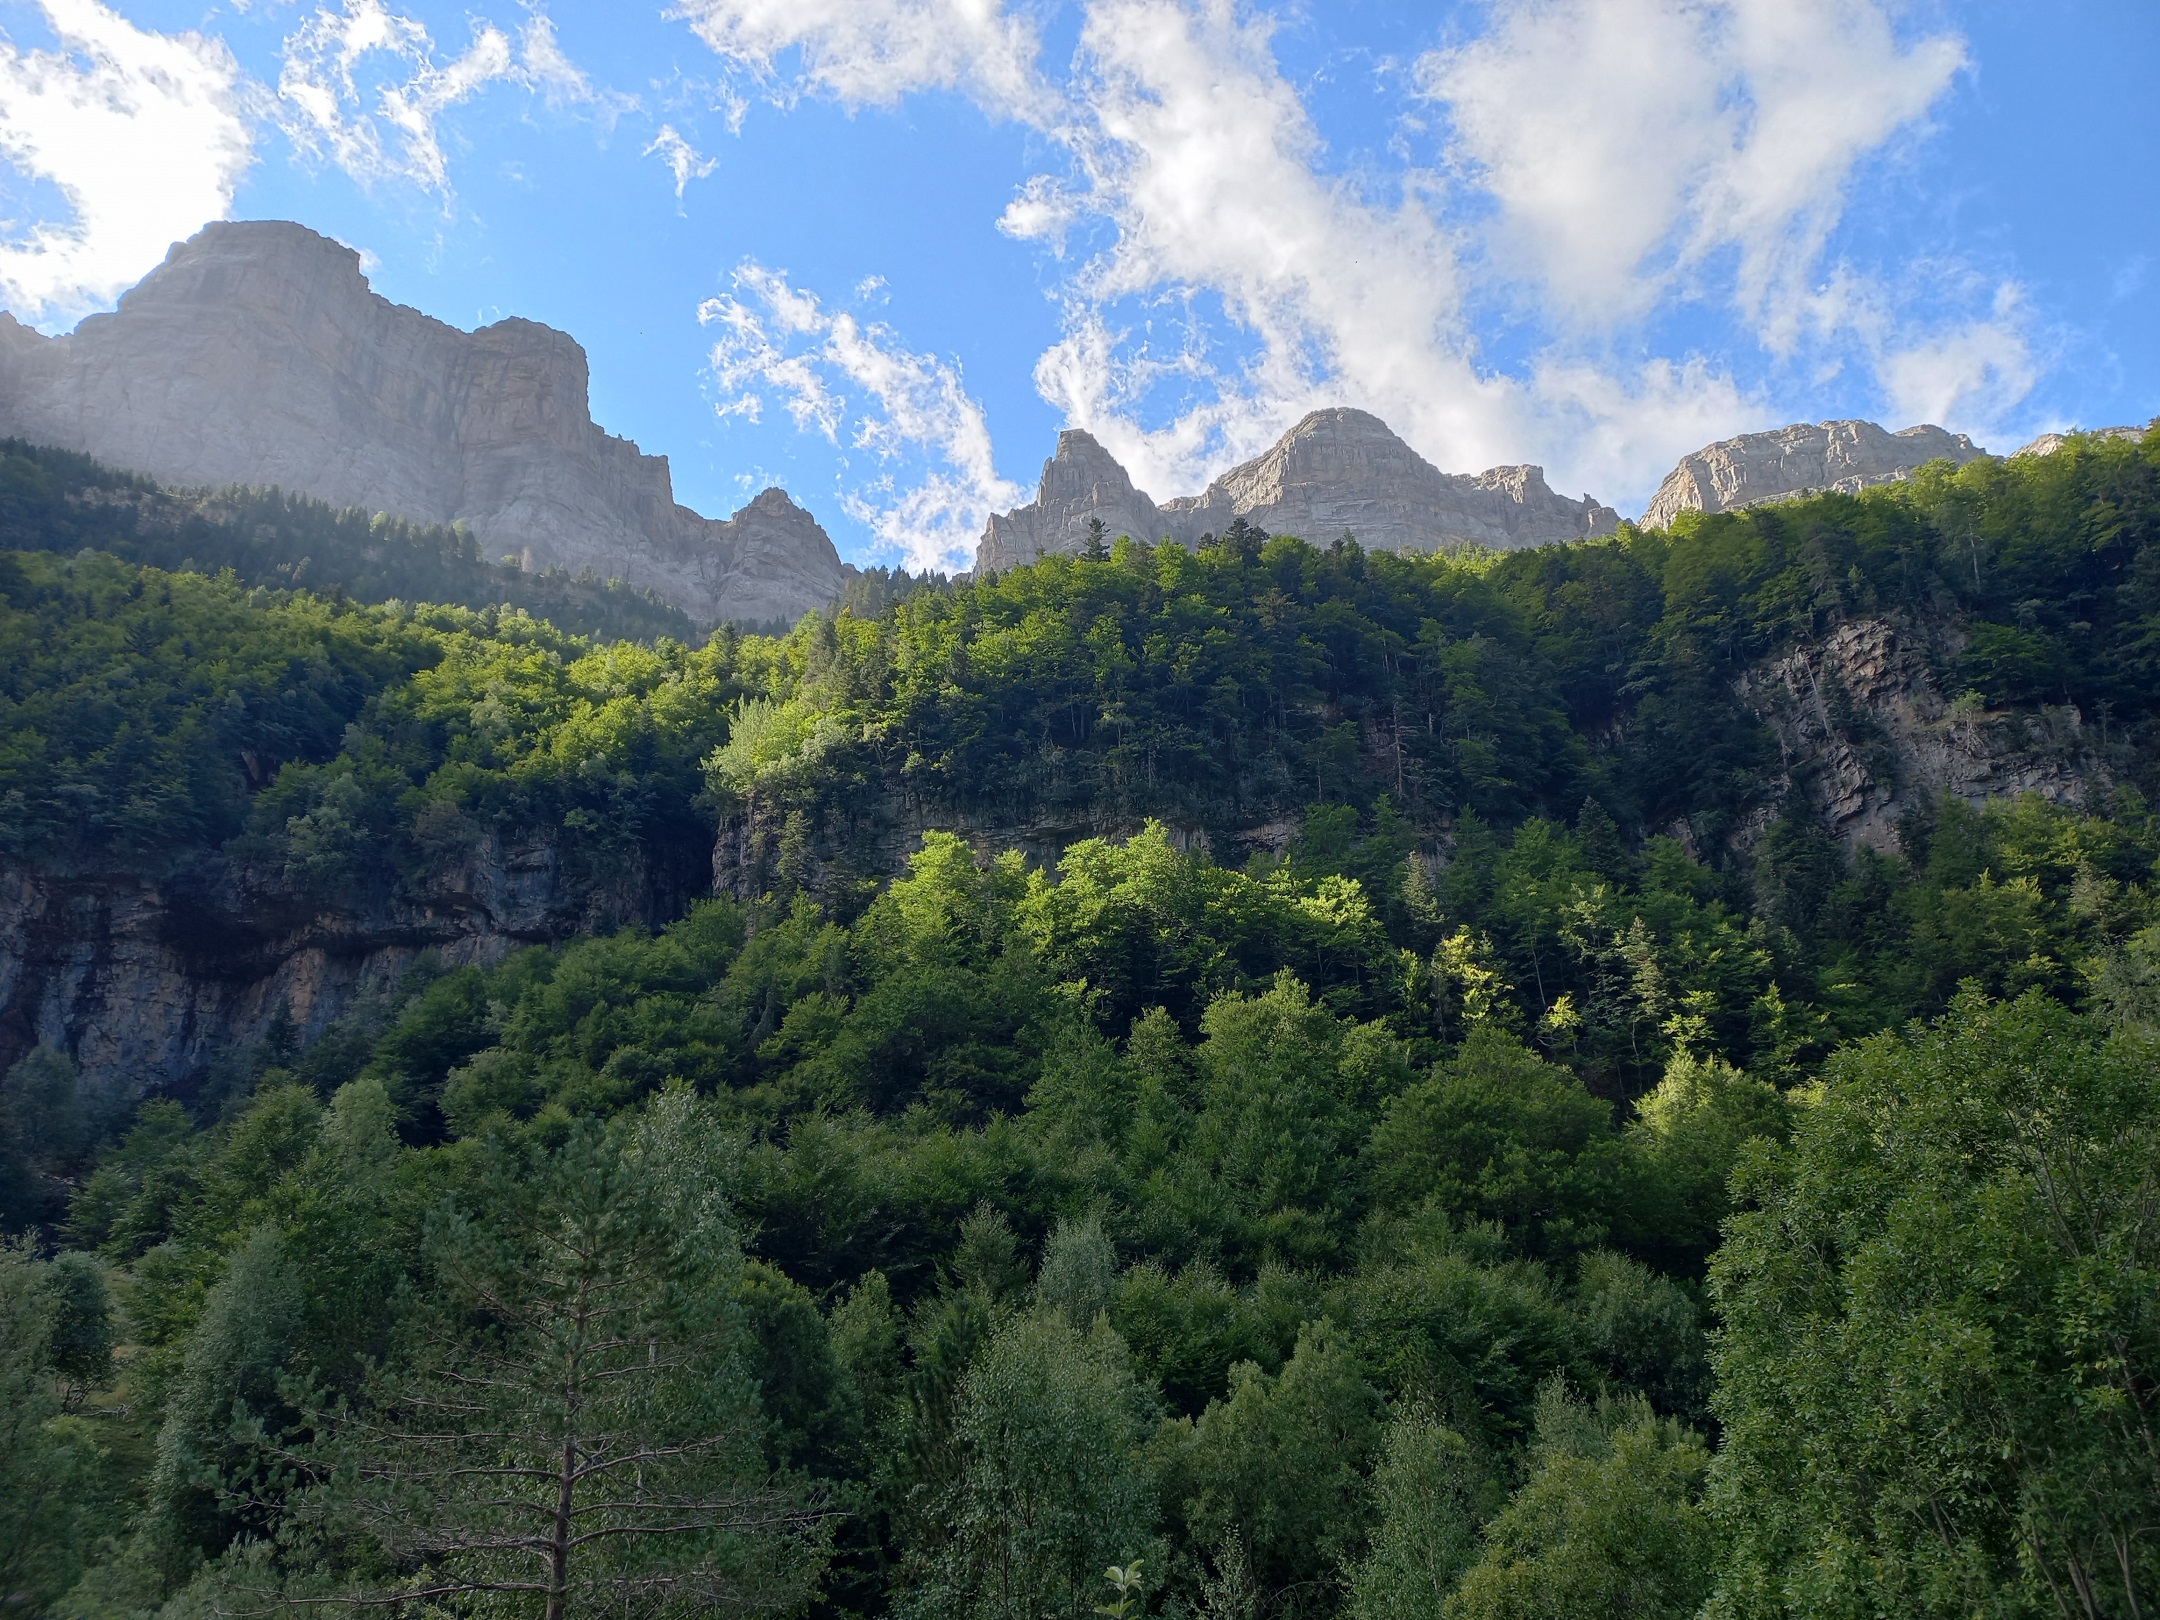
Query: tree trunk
x,y
566,1486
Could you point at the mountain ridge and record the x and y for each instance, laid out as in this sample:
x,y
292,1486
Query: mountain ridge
x,y
1803,458
1336,471
257,354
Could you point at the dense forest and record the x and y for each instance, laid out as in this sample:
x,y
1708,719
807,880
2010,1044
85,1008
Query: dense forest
x,y
54,500
1263,1080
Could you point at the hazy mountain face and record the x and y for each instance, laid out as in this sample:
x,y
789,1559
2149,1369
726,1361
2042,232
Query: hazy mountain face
x,y
257,354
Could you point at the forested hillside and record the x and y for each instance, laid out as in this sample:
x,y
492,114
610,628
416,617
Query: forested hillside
x,y
51,500
1316,1083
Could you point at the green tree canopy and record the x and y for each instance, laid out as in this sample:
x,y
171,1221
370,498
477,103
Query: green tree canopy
x,y
1940,1366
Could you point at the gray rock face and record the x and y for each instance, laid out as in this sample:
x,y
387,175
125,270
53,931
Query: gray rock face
x,y
1082,481
1866,731
1343,471
144,979
1338,471
2048,443
258,354
1807,458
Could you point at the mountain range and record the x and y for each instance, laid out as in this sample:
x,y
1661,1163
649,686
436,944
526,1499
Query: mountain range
x,y
257,354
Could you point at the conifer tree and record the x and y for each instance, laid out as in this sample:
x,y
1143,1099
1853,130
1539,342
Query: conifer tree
x,y
571,1429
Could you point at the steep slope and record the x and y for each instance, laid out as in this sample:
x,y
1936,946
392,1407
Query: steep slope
x,y
57,501
1337,472
217,802
1807,458
258,354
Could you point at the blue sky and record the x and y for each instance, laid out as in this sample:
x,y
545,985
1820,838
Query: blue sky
x,y
879,251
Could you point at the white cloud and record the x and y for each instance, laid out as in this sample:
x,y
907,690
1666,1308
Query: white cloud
x,y
141,133
548,69
1623,430
1204,160
1045,211
1969,377
875,52
1604,162
1628,142
365,85
1965,379
681,157
935,482
1245,286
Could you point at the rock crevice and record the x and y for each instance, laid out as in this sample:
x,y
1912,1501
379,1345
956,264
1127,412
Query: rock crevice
x,y
1864,730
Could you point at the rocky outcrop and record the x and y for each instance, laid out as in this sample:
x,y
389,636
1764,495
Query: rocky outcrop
x,y
1346,472
1082,481
2048,443
1807,458
1337,472
1867,735
784,562
143,979
258,354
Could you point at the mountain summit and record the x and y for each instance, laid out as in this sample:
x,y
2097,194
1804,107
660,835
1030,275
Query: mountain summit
x,y
257,353
1338,471
1807,458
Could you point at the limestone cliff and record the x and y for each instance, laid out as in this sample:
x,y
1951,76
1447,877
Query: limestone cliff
x,y
1337,472
1866,735
1082,481
1346,472
258,354
144,977
1807,458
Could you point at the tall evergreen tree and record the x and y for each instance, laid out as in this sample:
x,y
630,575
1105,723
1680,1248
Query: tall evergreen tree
x,y
571,1429
41,1471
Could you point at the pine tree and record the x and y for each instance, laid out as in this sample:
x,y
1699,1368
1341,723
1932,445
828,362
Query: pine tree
x,y
572,1428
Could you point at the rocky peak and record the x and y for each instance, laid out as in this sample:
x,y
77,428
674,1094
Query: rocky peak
x,y
1326,449
1082,466
267,267
1345,471
1082,481
786,559
1806,458
1337,471
258,354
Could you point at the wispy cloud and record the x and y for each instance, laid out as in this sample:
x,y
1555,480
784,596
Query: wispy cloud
x,y
143,135
683,159
875,52
1968,372
367,87
1628,142
1203,161
1596,166
930,482
548,69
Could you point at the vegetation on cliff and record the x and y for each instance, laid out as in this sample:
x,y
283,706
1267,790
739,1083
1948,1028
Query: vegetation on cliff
x,y
1549,1175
